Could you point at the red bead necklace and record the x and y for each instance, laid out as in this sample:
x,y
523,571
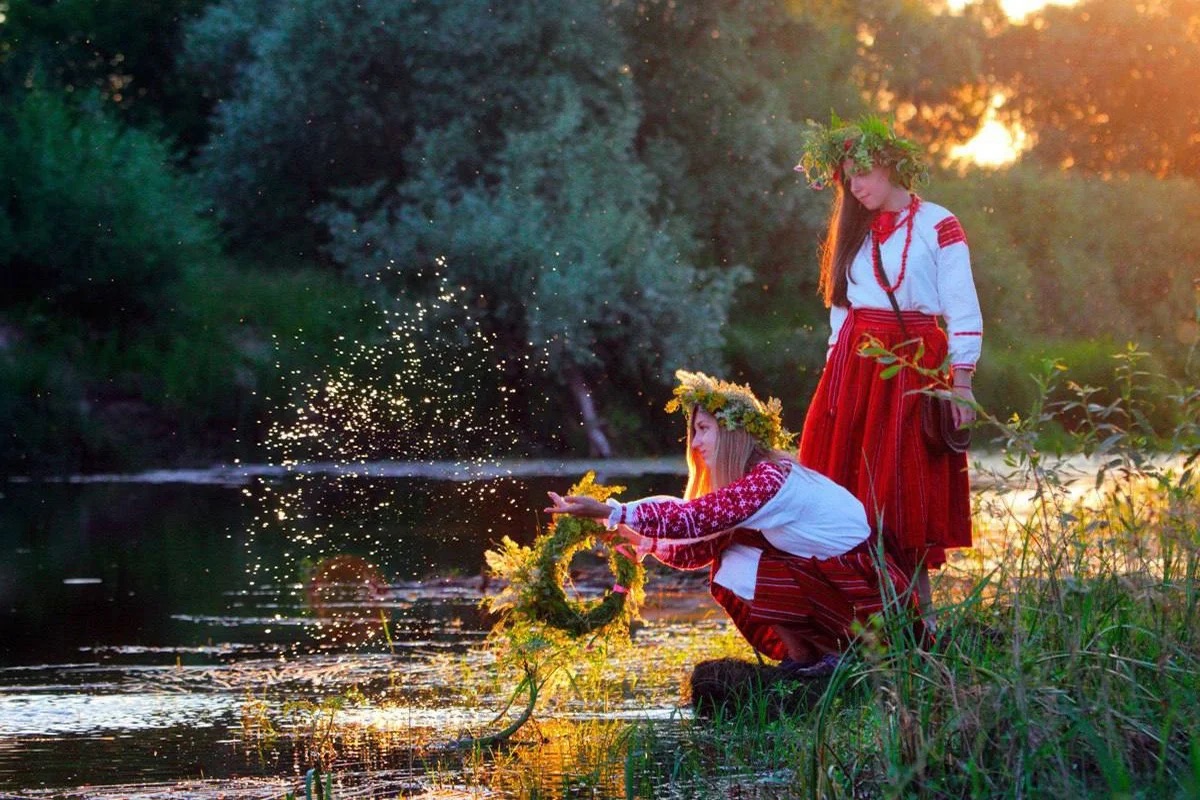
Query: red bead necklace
x,y
879,236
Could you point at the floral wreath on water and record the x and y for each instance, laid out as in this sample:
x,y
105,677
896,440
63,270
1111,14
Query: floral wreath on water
x,y
868,141
537,575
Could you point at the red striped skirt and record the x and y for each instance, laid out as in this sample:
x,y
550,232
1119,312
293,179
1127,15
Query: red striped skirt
x,y
864,432
818,599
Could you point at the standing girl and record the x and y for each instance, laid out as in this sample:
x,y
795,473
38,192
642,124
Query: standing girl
x,y
789,549
893,265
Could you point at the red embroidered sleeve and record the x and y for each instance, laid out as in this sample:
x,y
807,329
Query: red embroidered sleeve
x,y
949,231
714,512
691,555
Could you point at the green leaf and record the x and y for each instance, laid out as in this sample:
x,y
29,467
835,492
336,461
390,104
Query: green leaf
x,y
891,371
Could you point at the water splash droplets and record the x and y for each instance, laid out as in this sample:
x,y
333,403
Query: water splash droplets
x,y
428,388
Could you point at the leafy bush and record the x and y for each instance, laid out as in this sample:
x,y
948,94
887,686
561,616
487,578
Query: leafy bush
x,y
42,415
95,224
1060,257
314,96
245,337
122,50
200,388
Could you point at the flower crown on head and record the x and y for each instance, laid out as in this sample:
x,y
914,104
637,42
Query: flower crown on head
x,y
868,141
735,408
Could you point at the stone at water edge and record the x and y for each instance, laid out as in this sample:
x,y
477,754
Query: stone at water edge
x,y
728,686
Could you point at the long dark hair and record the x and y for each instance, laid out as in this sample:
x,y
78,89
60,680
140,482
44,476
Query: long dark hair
x,y
849,222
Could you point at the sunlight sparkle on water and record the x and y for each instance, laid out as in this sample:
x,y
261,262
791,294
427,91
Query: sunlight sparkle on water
x,y
429,387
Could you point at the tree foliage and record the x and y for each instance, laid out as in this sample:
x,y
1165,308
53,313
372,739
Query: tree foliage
x,y
533,196
907,58
600,176
1053,269
121,50
719,128
95,223
1107,86
326,99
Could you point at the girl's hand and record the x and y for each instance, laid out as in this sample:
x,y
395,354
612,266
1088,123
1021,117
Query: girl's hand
x,y
578,506
631,536
964,413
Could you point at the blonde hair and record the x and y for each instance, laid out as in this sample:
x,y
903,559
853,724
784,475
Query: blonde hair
x,y
736,452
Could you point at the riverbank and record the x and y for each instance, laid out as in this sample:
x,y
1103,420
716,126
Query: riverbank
x,y
987,470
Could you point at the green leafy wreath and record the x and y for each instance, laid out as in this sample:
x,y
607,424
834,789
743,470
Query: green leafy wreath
x,y
867,141
537,575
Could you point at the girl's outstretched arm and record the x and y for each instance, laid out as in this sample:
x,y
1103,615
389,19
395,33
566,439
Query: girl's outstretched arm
x,y
577,506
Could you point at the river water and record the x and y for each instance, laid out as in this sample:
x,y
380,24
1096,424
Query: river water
x,y
176,633
144,617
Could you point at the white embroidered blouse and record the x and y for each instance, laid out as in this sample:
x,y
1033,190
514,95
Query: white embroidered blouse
x,y
937,281
796,509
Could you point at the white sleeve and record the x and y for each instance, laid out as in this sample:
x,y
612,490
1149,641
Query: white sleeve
x,y
837,318
956,295
623,513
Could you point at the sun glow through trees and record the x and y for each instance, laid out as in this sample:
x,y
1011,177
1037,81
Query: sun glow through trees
x,y
1016,10
995,144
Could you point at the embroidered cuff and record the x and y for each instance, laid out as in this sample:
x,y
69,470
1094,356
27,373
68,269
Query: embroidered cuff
x,y
616,516
647,546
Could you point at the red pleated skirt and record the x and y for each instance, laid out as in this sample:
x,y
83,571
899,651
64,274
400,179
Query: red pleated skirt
x,y
864,432
818,599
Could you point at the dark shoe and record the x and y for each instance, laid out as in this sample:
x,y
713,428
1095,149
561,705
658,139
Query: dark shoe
x,y
823,667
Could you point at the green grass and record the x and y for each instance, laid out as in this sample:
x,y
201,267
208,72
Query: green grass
x,y
1067,661
1068,665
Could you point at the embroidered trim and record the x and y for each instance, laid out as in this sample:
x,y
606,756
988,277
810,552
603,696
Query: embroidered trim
x,y
877,257
714,512
950,232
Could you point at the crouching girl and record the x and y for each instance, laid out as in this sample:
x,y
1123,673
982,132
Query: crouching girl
x,y
790,551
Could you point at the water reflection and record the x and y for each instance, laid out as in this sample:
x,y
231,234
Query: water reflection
x,y
137,644
345,593
134,633
48,713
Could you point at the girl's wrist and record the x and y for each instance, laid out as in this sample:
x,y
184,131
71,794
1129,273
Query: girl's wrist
x,y
613,514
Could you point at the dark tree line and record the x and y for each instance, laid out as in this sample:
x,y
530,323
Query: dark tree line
x,y
612,181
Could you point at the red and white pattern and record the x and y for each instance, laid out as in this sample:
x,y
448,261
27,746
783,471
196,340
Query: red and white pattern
x,y
816,598
863,431
937,281
692,554
949,232
714,512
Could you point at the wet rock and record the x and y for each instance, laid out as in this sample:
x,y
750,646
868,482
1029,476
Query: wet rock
x,y
726,687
